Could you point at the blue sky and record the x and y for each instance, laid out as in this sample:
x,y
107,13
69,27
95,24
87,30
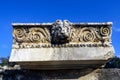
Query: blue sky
x,y
51,10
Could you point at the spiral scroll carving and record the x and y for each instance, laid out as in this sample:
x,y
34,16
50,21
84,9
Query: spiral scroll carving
x,y
38,35
105,31
19,34
87,35
35,36
62,33
31,35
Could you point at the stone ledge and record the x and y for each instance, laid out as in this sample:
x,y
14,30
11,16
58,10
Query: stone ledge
x,y
62,58
58,54
49,24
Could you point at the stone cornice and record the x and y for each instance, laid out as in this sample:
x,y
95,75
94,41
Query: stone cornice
x,y
49,24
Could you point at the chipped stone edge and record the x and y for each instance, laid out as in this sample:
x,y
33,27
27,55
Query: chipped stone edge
x,y
49,24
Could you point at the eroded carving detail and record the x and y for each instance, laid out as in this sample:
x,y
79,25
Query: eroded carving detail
x,y
32,35
19,34
39,35
105,31
82,34
90,34
87,35
61,34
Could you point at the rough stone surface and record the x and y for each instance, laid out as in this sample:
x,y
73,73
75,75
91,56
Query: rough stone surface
x,y
84,74
61,56
58,54
1,77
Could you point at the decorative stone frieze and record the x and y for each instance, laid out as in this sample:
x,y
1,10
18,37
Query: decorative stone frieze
x,y
61,45
61,33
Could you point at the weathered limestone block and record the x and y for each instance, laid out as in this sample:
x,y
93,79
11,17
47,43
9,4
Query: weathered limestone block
x,y
61,45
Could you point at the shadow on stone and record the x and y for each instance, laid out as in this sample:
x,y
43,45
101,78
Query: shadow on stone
x,y
45,74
